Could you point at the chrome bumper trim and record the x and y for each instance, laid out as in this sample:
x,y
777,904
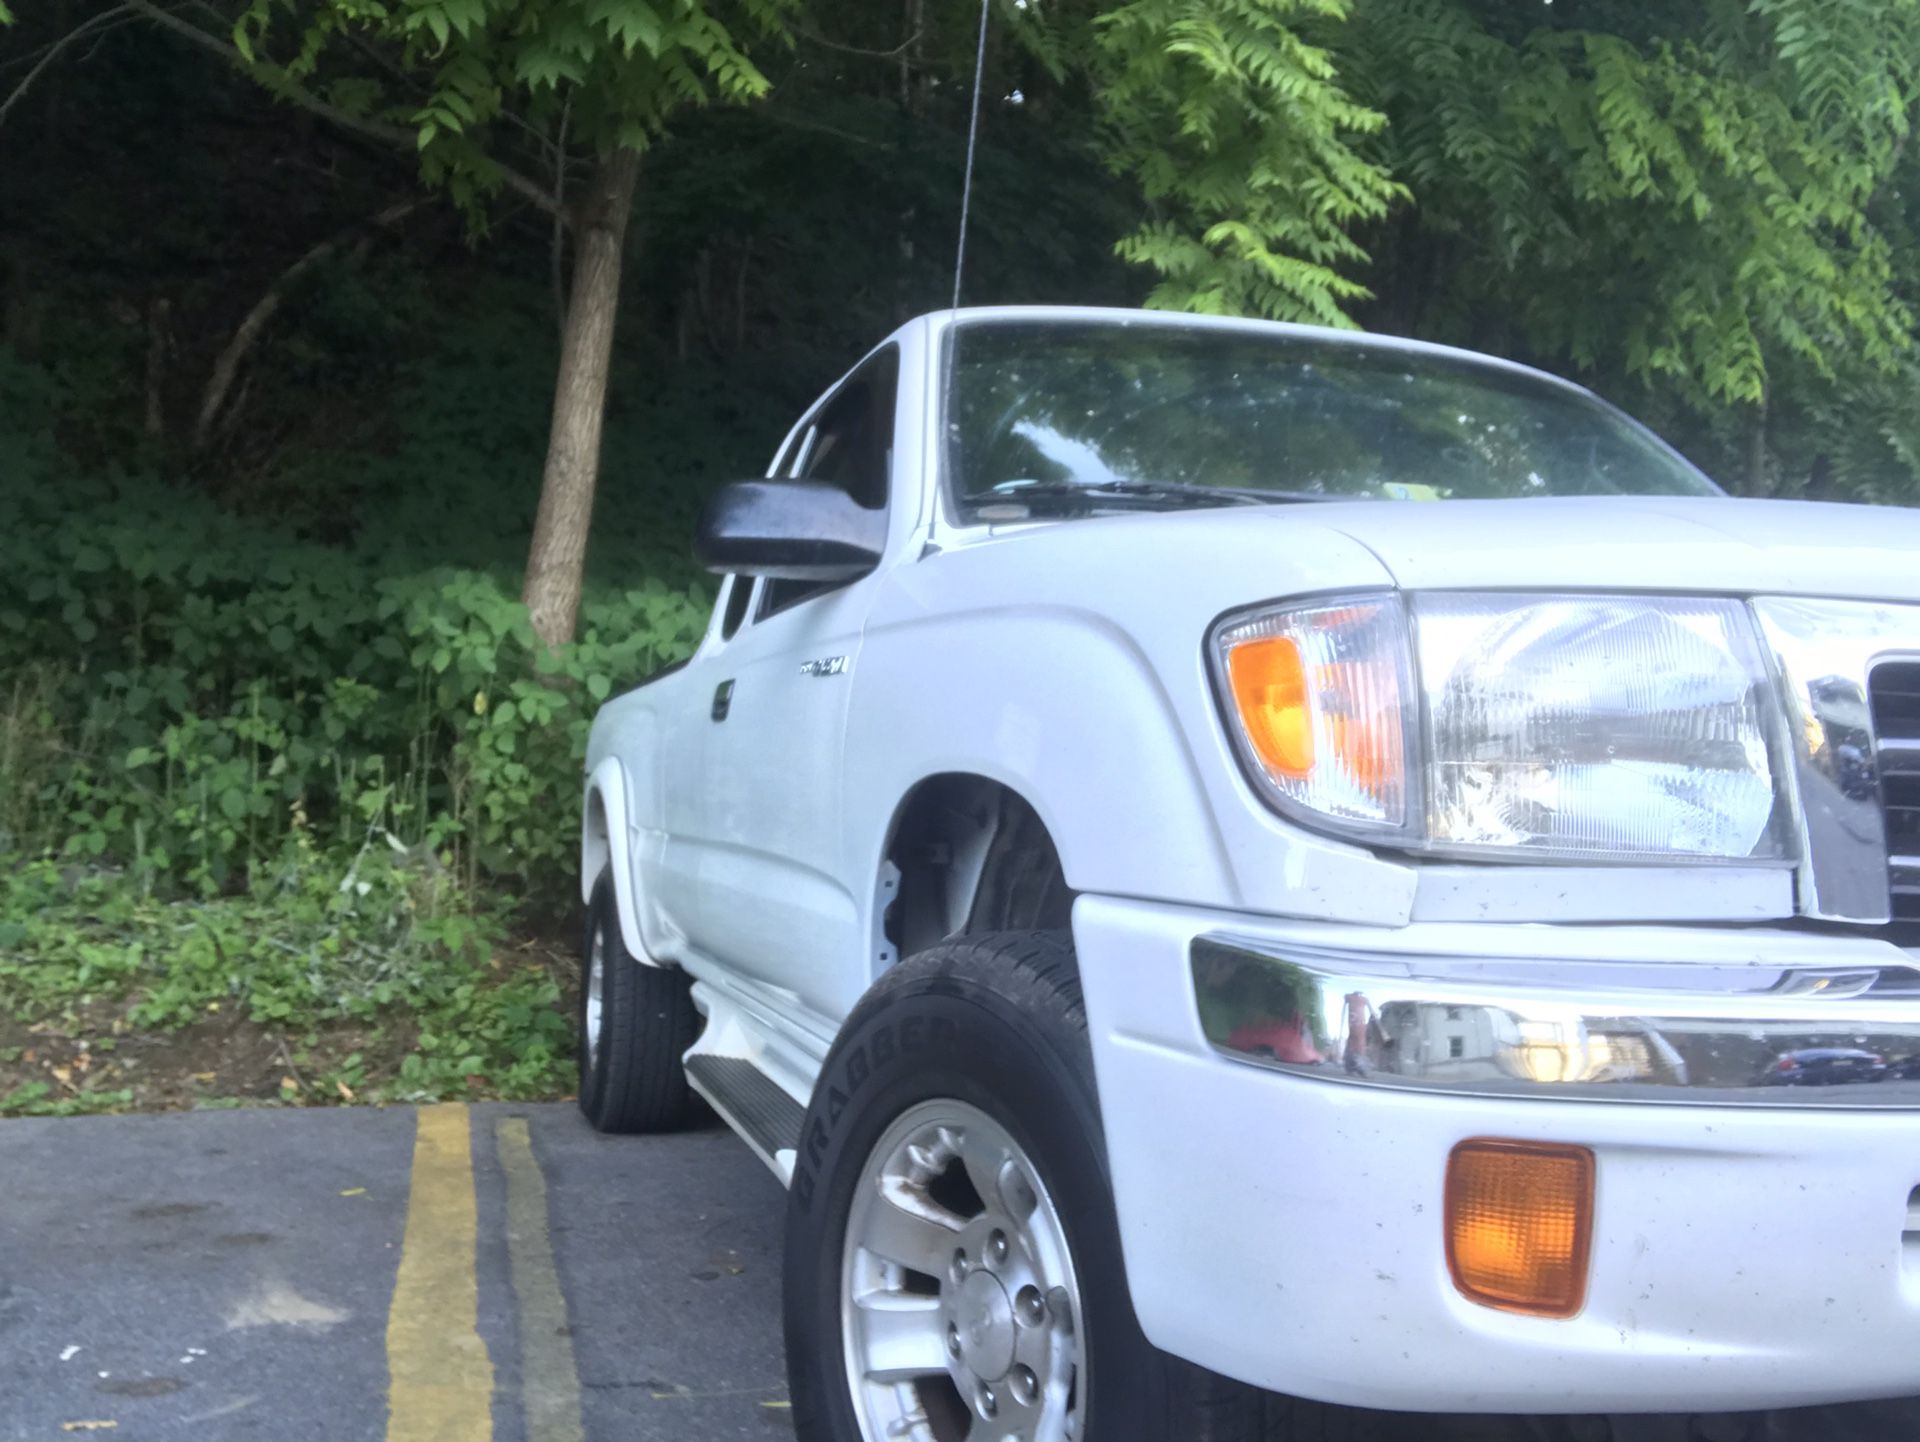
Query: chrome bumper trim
x,y
1584,1031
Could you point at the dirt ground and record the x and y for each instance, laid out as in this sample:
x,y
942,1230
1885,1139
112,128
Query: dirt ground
x,y
89,1058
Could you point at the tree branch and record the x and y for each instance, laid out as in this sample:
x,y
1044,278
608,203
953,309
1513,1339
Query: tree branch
x,y
227,365
95,25
283,85
559,260
277,80
374,57
56,49
865,54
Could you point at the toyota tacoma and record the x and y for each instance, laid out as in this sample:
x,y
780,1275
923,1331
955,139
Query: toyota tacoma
x,y
1224,862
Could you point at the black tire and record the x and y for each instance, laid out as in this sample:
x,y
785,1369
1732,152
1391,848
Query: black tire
x,y
997,1022
647,1022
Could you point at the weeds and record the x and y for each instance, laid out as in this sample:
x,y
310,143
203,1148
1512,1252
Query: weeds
x,y
388,953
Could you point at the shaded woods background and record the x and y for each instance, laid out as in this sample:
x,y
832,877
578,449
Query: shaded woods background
x,y
287,794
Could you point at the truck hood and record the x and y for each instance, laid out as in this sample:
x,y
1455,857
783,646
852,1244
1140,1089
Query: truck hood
x,y
1687,544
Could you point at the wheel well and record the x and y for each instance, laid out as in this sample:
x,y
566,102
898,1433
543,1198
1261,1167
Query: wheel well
x,y
596,845
968,855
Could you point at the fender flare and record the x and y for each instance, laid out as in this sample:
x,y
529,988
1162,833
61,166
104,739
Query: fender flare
x,y
606,844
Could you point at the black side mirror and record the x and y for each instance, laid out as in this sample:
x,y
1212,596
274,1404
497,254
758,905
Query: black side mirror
x,y
792,530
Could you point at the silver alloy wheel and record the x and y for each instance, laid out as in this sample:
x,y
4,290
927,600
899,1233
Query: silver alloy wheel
x,y
596,987
959,1322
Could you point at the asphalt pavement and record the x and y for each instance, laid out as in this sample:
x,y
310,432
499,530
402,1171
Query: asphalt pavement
x,y
296,1275
451,1274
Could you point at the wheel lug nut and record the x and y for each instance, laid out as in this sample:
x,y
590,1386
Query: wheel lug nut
x,y
961,1266
1026,1386
988,1403
1031,1306
953,1340
997,1246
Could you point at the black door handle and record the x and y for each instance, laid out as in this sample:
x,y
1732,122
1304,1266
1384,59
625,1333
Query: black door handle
x,y
722,700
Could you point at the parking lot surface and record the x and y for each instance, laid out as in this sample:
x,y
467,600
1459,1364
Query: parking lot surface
x,y
452,1274
296,1275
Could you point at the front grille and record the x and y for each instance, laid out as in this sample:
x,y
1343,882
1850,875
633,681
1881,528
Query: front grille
x,y
1895,689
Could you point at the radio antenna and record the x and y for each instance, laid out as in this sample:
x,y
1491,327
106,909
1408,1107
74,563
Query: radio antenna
x,y
973,137
960,247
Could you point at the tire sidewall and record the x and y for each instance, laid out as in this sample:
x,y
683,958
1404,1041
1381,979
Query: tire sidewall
x,y
602,923
950,1037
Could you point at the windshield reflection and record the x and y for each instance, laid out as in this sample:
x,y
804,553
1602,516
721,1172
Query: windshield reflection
x,y
1092,404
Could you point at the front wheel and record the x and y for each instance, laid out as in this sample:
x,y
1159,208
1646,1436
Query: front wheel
x,y
953,1261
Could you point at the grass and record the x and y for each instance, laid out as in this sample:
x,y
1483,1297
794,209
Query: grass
x,y
332,979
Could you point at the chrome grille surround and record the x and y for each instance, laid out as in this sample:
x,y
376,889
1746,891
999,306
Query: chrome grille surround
x,y
1895,693
1826,653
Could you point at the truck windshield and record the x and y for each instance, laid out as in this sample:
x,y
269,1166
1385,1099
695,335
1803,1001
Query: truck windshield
x,y
1077,417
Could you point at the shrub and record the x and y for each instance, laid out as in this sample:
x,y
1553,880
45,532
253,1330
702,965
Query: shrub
x,y
382,950
181,688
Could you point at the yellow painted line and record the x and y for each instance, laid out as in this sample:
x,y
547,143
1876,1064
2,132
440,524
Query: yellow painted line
x,y
549,1382
439,1376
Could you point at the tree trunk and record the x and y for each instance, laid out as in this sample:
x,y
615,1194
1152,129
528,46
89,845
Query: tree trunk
x,y
1757,449
557,559
158,337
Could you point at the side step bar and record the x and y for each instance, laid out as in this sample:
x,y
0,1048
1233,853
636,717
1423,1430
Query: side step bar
x,y
754,1105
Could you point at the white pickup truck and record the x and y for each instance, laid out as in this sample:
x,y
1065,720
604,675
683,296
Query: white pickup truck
x,y
1221,860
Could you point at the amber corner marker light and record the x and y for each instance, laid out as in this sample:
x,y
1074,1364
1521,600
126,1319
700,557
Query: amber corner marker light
x,y
1520,1225
1269,681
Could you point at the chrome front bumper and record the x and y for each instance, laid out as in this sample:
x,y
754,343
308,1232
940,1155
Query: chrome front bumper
x,y
1625,1031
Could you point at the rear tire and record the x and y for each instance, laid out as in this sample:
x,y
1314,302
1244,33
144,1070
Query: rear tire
x,y
988,1033
636,1021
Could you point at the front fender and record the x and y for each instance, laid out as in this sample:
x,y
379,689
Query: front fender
x,y
1131,776
606,844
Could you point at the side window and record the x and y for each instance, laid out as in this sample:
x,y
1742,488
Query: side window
x,y
739,591
851,448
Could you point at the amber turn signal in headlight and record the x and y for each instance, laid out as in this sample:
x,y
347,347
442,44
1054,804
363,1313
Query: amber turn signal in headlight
x,y
1269,683
1317,696
1520,1225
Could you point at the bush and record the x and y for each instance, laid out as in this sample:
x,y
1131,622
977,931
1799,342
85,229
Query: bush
x,y
280,758
377,982
185,689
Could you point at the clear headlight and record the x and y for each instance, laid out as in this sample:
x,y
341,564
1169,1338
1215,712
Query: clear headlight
x,y
1597,726
1550,727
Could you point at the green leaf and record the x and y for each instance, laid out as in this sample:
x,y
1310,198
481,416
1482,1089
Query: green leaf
x,y
630,23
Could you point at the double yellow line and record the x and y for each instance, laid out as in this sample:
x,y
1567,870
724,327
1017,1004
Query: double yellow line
x,y
440,1375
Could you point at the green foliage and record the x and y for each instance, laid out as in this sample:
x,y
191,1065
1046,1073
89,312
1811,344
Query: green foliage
x,y
37,1099
1687,201
1244,143
187,689
617,69
385,947
1855,440
222,682
295,760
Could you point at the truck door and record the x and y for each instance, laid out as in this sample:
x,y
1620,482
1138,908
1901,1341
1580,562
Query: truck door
x,y
775,903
